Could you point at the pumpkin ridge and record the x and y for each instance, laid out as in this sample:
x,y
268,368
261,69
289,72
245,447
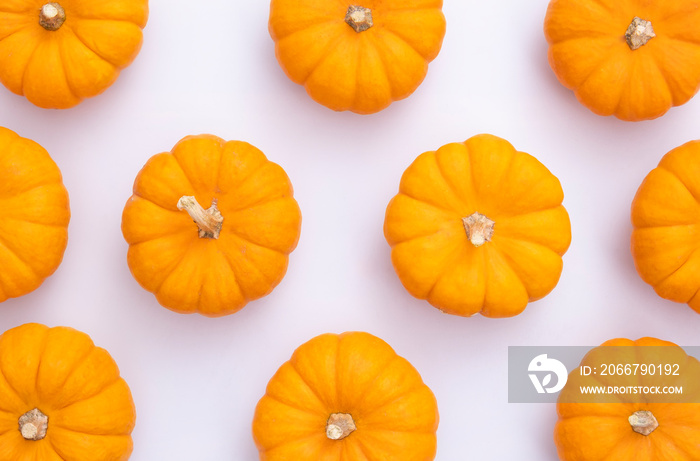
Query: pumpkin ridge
x,y
332,44
86,396
295,407
61,52
685,261
397,399
451,187
665,78
70,29
512,265
679,180
322,21
19,26
171,272
9,384
327,53
4,244
388,28
313,389
386,31
437,207
189,178
235,276
447,268
54,449
288,442
76,365
378,49
376,377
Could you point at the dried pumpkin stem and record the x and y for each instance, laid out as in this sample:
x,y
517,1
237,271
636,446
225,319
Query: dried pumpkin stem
x,y
209,221
479,228
33,425
359,18
339,426
643,422
52,16
639,33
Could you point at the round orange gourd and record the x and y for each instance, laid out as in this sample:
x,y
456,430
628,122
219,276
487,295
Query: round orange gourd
x,y
34,215
645,430
633,59
61,398
346,397
57,53
478,227
236,250
358,56
666,221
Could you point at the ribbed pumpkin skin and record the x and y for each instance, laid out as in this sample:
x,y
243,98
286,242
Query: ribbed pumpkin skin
x,y
431,252
33,218
590,56
602,431
364,71
666,221
58,69
354,373
77,385
261,226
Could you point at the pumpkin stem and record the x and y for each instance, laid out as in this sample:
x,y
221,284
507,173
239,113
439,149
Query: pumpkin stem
x,y
359,18
639,33
479,228
33,425
209,221
52,16
339,426
643,422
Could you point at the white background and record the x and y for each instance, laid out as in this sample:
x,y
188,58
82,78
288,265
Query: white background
x,y
209,67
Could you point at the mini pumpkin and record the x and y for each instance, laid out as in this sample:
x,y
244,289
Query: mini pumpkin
x,y
648,429
210,260
357,56
34,217
666,226
346,397
634,59
478,227
58,53
61,398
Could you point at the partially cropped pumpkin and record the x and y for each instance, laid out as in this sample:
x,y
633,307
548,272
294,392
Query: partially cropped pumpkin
x,y
58,53
357,56
666,220
634,59
478,227
61,398
346,397
236,250
656,427
34,215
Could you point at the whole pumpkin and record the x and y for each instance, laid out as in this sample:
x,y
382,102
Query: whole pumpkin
x,y
634,59
61,398
34,217
478,227
57,53
646,430
357,56
666,226
346,397
236,250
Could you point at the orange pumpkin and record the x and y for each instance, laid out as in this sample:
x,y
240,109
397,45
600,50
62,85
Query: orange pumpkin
x,y
61,398
646,430
34,217
357,56
634,59
666,220
478,227
236,250
346,397
59,53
